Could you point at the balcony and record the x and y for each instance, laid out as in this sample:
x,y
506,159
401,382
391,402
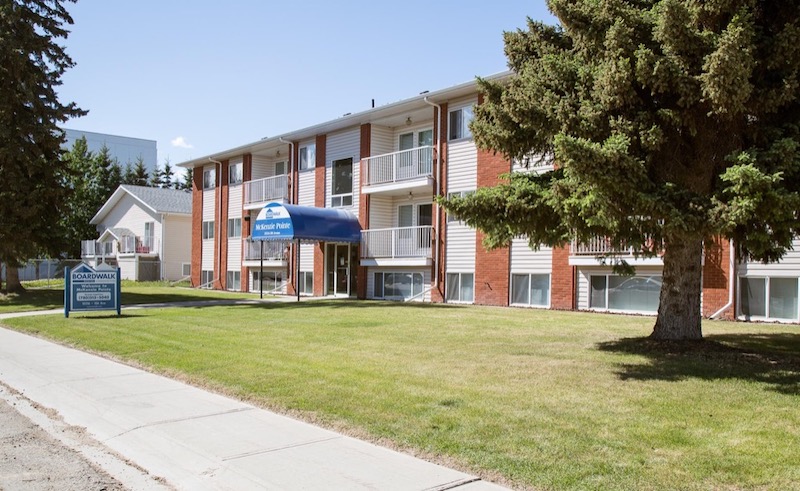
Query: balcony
x,y
274,252
93,248
592,252
403,246
257,193
129,244
400,172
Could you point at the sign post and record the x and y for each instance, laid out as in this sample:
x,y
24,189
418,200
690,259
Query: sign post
x,y
89,289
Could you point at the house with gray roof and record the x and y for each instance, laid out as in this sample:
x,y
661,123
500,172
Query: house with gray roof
x,y
145,231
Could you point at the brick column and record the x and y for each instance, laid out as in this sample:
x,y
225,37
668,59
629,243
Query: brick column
x,y
221,259
247,175
716,278
197,225
319,202
562,281
440,172
294,251
491,267
363,206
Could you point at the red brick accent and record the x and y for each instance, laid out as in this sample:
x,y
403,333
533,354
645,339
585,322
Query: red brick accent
x,y
221,259
197,225
319,201
562,281
247,175
291,287
491,267
440,170
716,278
363,205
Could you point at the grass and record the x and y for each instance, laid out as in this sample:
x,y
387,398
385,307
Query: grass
x,y
535,399
49,294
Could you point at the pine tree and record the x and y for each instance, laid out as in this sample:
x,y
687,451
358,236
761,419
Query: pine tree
x,y
166,176
671,122
186,185
140,175
32,175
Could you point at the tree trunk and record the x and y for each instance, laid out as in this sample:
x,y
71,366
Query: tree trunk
x,y
679,314
12,280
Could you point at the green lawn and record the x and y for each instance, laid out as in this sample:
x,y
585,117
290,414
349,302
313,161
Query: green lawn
x,y
44,296
536,399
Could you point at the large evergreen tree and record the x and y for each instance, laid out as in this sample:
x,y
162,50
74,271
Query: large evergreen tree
x,y
670,122
31,174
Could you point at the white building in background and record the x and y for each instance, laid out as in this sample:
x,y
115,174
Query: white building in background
x,y
124,148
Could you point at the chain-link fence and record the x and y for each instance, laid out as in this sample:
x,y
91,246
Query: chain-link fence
x,y
49,272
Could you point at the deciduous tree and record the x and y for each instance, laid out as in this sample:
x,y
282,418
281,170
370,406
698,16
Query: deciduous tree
x,y
671,122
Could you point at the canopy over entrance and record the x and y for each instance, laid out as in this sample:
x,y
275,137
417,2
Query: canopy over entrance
x,y
306,224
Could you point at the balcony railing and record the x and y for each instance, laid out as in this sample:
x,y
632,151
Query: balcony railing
x,y
399,166
93,248
129,244
267,189
273,250
403,242
601,246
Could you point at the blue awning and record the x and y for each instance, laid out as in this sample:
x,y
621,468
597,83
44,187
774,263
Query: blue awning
x,y
292,222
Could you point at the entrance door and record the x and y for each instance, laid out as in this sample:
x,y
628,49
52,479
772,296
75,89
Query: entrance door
x,y
337,259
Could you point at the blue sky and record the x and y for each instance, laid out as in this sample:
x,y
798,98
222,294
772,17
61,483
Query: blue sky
x,y
204,76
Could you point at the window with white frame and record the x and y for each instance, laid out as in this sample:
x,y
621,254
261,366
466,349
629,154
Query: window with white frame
x,y
625,293
186,269
397,285
235,173
457,194
209,178
768,298
208,230
342,183
460,287
307,282
458,127
281,168
234,228
234,280
272,280
206,278
530,289
308,157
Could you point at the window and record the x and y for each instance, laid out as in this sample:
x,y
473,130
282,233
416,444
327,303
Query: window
x,y
530,289
186,269
625,293
307,282
273,280
234,282
234,228
459,194
459,123
208,230
206,279
460,287
209,178
235,173
768,298
342,183
308,157
397,285
281,168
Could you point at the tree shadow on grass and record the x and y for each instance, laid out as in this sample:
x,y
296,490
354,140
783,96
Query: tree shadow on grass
x,y
769,359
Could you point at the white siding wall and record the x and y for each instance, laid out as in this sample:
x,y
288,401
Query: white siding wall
x,y
234,211
177,245
209,214
307,257
342,145
127,268
382,141
788,266
129,213
585,272
306,183
526,260
380,212
261,167
426,282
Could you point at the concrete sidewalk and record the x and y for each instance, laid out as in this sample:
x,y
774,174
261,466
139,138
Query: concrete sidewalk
x,y
199,440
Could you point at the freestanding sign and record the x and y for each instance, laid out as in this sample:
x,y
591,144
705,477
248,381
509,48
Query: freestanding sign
x,y
88,289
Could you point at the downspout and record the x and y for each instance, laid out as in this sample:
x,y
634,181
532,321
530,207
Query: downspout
x,y
731,282
438,189
296,254
161,245
218,219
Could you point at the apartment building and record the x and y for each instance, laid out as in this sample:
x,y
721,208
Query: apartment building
x,y
382,168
